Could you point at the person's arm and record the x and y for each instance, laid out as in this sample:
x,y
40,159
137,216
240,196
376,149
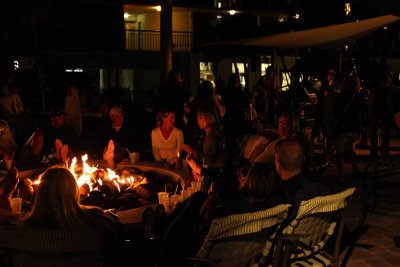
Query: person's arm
x,y
155,149
179,135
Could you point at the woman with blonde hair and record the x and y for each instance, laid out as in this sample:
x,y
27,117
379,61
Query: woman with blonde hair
x,y
166,139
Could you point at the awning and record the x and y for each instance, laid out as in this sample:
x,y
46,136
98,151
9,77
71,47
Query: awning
x,y
323,37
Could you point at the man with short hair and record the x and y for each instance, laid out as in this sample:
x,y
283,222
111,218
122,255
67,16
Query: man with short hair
x,y
293,185
118,138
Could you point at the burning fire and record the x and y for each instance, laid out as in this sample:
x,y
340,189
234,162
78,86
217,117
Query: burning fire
x,y
91,178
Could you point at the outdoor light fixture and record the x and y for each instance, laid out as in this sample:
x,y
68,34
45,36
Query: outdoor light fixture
x,y
219,17
232,12
158,8
347,8
126,15
219,5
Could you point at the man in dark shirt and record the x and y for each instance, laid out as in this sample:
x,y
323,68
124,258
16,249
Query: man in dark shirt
x,y
123,138
293,186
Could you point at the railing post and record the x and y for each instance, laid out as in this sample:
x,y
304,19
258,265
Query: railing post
x,y
166,39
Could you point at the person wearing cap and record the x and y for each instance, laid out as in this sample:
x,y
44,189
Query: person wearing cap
x,y
118,135
53,142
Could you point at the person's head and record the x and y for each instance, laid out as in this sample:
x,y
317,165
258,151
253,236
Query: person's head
x,y
175,77
289,158
234,80
288,123
258,182
352,83
205,90
57,118
166,118
57,201
205,118
117,116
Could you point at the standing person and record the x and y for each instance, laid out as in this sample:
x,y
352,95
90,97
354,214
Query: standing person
x,y
204,98
336,81
212,153
382,115
73,110
13,110
172,95
347,117
166,140
234,122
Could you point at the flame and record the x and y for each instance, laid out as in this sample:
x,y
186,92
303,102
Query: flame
x,y
86,176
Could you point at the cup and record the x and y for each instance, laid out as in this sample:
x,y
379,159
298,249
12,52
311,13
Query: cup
x,y
185,194
133,157
163,197
175,199
16,205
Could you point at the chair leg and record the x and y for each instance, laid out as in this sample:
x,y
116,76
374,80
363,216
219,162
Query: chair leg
x,y
336,256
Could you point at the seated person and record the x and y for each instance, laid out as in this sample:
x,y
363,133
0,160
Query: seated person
x,y
120,135
293,186
166,140
212,154
250,193
288,125
57,207
8,146
52,143
7,186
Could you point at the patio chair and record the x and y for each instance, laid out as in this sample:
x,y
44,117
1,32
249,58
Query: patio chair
x,y
304,241
239,239
31,247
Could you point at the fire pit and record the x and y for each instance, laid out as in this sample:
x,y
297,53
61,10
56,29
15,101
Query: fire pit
x,y
128,187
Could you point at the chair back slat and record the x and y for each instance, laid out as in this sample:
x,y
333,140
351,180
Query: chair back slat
x,y
315,223
234,240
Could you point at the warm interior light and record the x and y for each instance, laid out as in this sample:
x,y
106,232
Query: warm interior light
x,y
158,8
219,4
219,16
347,8
232,12
126,15
296,16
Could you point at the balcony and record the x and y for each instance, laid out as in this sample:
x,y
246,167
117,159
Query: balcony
x,y
146,40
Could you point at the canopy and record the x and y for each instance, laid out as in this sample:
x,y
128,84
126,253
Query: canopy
x,y
323,37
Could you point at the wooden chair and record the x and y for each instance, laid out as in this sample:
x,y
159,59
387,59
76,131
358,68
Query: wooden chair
x,y
304,241
29,247
238,240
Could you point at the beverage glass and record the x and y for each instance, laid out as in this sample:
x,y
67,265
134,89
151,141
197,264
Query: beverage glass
x,y
162,198
133,157
16,205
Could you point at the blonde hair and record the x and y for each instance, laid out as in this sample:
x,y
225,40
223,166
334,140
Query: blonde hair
x,y
57,202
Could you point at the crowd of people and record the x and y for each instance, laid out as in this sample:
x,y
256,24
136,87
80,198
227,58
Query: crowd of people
x,y
207,132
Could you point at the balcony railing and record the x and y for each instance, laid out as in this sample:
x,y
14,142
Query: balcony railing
x,y
146,40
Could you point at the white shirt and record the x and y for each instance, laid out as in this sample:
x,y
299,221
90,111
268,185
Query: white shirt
x,y
166,148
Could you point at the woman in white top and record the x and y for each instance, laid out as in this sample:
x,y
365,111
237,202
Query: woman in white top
x,y
166,140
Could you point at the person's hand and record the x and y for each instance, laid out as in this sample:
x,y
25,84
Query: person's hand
x,y
58,145
109,154
196,169
187,149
